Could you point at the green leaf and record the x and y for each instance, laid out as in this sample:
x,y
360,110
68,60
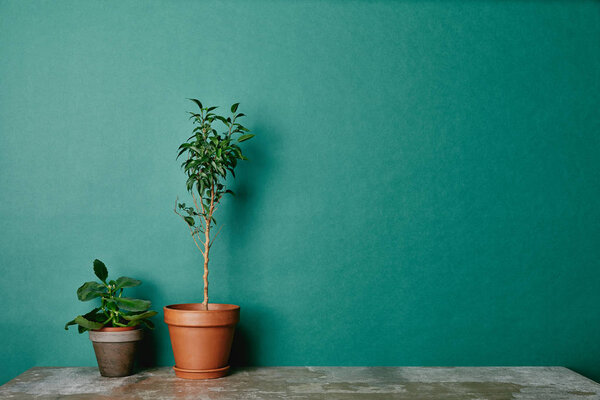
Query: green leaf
x,y
72,322
148,323
111,304
81,321
197,102
100,270
89,291
197,150
230,191
136,317
223,120
190,221
245,137
234,107
240,115
211,108
124,282
190,182
129,304
95,315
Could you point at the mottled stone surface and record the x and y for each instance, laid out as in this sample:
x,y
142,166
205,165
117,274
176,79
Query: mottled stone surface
x,y
489,383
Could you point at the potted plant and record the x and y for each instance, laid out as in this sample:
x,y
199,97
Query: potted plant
x,y
201,333
114,327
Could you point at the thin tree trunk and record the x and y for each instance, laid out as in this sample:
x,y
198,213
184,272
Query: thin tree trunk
x,y
206,249
208,222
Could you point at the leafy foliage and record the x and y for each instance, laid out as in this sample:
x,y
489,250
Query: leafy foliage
x,y
210,156
114,309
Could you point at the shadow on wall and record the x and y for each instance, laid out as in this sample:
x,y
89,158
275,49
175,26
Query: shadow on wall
x,y
147,355
250,182
250,186
248,340
242,352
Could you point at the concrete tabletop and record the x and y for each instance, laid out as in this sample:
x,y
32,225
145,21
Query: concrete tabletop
x,y
546,383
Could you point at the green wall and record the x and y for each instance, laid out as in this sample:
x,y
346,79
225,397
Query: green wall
x,y
423,187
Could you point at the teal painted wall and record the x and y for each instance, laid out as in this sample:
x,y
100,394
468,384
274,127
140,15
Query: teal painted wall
x,y
423,188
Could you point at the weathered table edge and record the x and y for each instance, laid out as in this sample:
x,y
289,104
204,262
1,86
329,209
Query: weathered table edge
x,y
557,379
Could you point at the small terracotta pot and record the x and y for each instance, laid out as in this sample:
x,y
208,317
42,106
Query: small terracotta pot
x,y
201,339
115,349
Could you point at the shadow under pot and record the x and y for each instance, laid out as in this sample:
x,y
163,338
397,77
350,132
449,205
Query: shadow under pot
x,y
116,349
201,338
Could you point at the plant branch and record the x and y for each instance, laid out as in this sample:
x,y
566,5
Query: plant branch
x,y
200,210
215,237
189,226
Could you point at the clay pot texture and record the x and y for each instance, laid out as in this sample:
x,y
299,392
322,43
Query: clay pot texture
x,y
201,339
115,349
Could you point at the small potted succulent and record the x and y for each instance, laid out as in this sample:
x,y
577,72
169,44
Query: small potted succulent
x,y
202,333
114,327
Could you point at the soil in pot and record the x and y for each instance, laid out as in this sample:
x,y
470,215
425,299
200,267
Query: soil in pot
x,y
201,339
115,349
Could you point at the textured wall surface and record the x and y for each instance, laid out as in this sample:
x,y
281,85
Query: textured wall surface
x,y
423,187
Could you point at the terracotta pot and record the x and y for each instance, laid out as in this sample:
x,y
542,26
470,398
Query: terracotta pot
x,y
115,349
201,339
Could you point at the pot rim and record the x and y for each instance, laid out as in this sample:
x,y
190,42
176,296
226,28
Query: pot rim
x,y
181,307
192,315
117,328
132,335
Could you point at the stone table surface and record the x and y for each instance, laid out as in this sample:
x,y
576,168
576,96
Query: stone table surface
x,y
546,383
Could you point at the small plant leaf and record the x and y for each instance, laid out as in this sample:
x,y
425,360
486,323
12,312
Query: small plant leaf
x,y
190,221
223,120
129,304
111,304
80,320
124,282
245,137
72,322
197,102
148,323
234,107
89,291
100,270
95,315
136,317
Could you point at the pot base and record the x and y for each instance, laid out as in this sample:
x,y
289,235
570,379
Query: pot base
x,y
200,373
115,350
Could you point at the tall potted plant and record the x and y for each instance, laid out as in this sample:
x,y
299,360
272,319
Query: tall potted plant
x,y
201,333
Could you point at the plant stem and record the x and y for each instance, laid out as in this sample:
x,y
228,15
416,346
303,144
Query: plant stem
x,y
206,249
208,221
